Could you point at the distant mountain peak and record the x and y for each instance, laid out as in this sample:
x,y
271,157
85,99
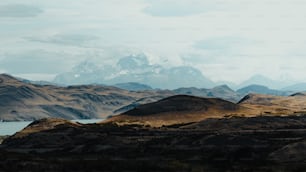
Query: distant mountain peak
x,y
133,62
261,89
85,67
135,68
259,79
224,86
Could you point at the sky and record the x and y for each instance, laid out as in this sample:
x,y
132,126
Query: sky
x,y
226,39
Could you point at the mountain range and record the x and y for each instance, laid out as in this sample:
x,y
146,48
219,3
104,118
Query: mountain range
x,y
26,100
138,69
134,68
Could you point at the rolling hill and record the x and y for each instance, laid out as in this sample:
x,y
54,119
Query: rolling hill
x,y
275,105
184,109
178,109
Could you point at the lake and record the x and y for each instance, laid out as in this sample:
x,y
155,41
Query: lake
x,y
10,128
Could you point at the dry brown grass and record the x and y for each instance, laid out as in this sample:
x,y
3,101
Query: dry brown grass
x,y
254,105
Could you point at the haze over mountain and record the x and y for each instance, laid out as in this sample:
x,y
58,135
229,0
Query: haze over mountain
x,y
135,68
265,81
299,87
259,89
222,91
138,69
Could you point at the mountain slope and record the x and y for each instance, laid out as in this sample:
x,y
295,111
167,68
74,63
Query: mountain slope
x,y
275,105
25,101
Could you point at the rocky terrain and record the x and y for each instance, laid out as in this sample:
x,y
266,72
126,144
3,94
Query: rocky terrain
x,y
262,143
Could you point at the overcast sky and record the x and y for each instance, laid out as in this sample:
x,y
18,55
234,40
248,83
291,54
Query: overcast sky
x,y
226,39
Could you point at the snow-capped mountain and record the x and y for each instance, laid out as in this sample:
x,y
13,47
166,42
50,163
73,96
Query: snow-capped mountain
x,y
134,68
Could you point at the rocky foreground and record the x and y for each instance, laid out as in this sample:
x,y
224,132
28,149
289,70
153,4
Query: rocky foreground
x,y
260,143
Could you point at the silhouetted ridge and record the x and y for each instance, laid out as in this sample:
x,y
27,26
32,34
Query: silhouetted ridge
x,y
245,98
298,94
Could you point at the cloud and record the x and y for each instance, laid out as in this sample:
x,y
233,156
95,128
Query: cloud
x,y
66,39
37,61
3,71
37,76
211,35
174,8
19,10
220,43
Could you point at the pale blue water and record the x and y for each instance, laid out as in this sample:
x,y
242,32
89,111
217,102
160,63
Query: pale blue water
x,y
10,128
